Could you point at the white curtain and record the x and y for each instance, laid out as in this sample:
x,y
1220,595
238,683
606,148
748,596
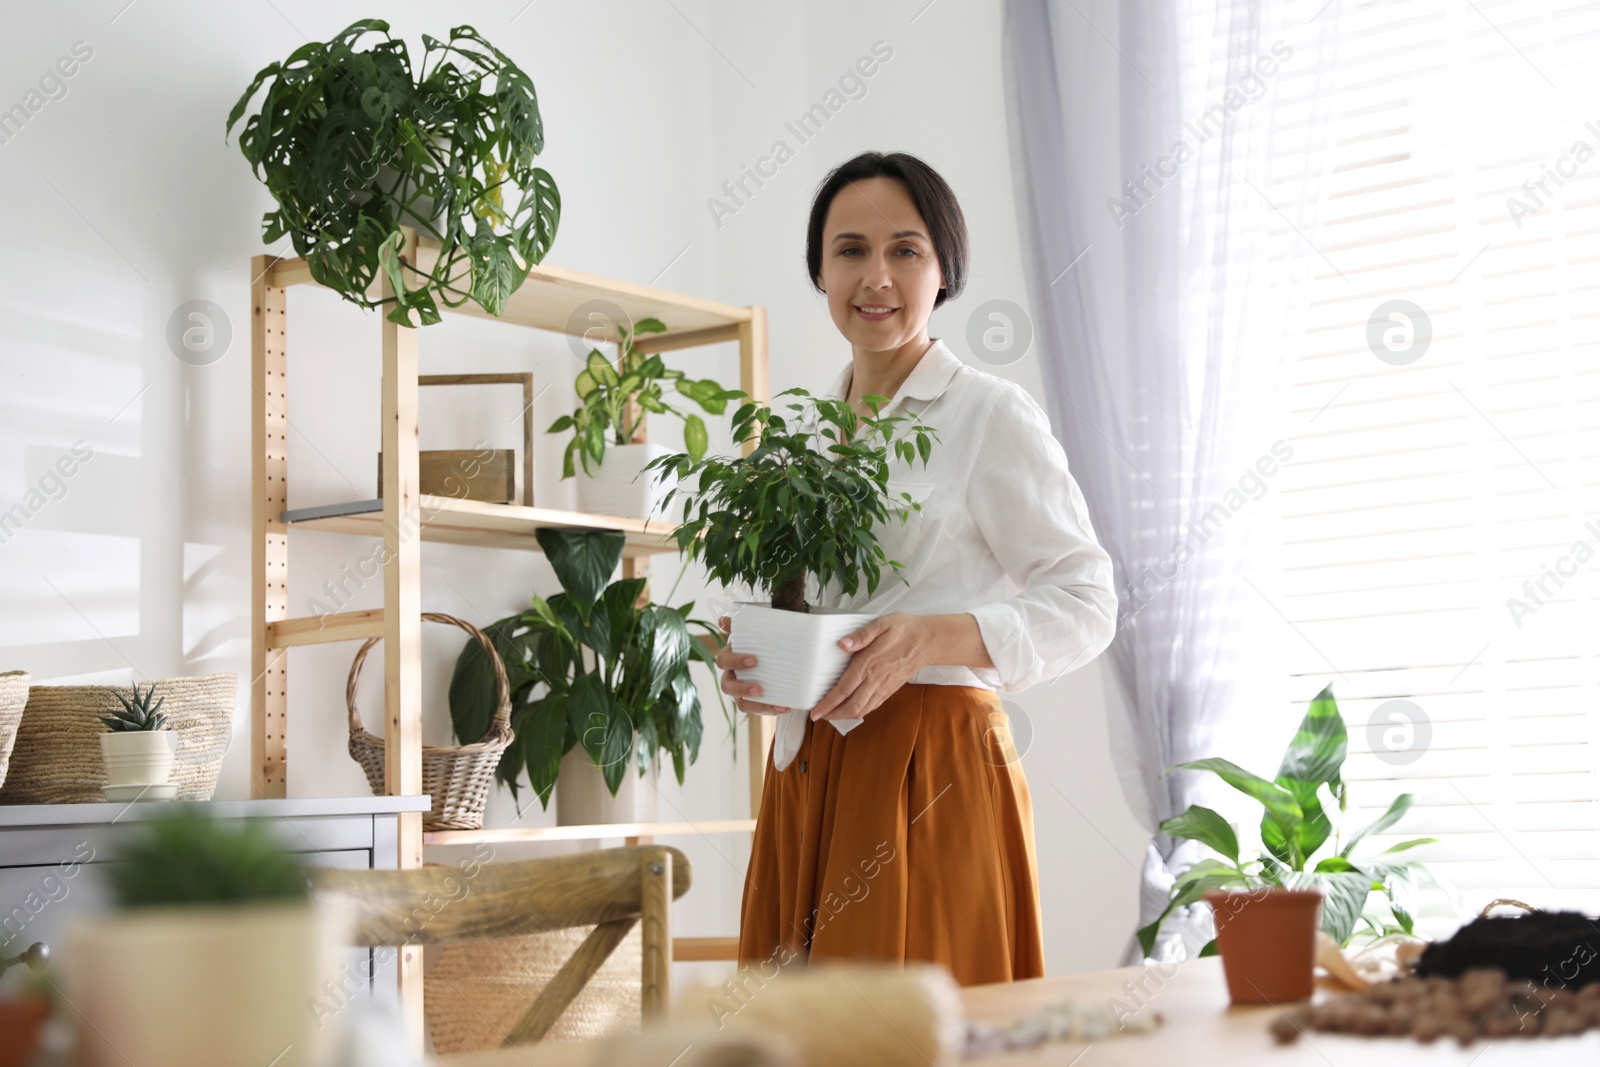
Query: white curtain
x,y
1166,156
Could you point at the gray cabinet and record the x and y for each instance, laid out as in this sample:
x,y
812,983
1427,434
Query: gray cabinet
x,y
53,856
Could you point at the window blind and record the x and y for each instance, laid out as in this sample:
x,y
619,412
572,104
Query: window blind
x,y
1438,536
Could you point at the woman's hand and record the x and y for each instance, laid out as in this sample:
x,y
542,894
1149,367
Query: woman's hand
x,y
886,652
729,660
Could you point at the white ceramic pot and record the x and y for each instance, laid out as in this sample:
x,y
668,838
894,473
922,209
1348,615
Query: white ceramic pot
x,y
138,757
619,486
798,658
582,798
223,986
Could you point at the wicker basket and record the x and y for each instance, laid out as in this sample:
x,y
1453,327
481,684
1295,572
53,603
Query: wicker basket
x,y
476,991
13,698
458,777
57,758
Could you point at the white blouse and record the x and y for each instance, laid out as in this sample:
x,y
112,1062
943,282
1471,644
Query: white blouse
x,y
1003,532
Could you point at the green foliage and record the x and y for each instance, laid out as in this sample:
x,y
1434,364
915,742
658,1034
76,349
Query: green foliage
x,y
138,714
806,500
352,146
605,391
636,700
189,857
1295,825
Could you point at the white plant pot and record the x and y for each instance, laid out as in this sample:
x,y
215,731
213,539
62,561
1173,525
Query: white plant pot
x,y
223,986
798,658
582,798
138,757
619,486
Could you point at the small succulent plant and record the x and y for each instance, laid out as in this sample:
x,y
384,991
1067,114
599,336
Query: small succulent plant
x,y
190,857
137,714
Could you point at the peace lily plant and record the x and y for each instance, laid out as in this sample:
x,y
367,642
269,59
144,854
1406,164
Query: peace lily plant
x,y
808,500
594,676
1302,848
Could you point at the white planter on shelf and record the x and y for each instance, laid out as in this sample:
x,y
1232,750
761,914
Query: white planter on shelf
x,y
583,799
138,757
619,486
798,658
218,985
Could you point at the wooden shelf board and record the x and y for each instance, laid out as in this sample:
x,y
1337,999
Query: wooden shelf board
x,y
474,522
552,298
587,833
687,949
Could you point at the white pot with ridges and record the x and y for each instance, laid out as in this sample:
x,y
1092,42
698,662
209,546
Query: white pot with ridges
x,y
798,658
138,757
619,487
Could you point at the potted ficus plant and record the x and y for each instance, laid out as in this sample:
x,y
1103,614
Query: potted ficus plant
x,y
353,147
1267,906
613,402
138,747
808,500
212,953
599,682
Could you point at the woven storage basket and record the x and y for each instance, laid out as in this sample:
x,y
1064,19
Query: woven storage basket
x,y
13,698
458,777
57,757
476,991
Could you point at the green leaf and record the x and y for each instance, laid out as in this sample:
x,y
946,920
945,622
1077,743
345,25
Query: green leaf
x,y
541,734
1413,843
1344,894
1396,811
1281,807
582,559
591,712
1207,827
695,438
1317,751
473,693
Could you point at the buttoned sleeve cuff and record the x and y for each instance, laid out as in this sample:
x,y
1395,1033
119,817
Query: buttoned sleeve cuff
x,y
1006,639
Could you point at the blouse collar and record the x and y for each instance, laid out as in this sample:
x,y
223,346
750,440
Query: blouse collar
x,y
927,381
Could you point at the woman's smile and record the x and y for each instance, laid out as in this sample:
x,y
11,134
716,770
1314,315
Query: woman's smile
x,y
874,312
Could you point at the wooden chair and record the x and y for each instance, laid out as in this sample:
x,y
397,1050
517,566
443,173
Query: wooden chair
x,y
610,888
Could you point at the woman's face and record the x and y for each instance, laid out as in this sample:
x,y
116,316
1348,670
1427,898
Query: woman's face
x,y
877,253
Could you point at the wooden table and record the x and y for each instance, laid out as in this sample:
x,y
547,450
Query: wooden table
x,y
1200,1029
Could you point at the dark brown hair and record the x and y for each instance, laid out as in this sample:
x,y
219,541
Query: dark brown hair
x,y
935,202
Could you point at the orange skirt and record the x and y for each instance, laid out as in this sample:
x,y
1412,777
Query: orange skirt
x,y
910,838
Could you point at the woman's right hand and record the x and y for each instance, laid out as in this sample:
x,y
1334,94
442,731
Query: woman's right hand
x,y
729,661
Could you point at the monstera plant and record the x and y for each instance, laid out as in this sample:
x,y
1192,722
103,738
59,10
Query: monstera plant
x,y
1302,846
353,146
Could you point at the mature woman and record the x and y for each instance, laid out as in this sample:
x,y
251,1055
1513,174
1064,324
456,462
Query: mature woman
x,y
911,836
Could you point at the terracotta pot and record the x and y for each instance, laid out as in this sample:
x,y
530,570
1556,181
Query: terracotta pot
x,y
20,1021
1267,939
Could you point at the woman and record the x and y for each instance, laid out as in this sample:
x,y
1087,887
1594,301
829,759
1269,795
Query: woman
x,y
911,836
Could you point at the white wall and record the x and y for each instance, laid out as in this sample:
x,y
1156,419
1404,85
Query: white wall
x,y
123,201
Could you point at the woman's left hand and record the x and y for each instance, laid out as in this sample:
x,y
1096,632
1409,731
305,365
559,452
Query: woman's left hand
x,y
885,654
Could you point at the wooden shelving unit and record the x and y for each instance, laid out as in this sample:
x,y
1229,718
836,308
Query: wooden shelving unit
x,y
546,301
